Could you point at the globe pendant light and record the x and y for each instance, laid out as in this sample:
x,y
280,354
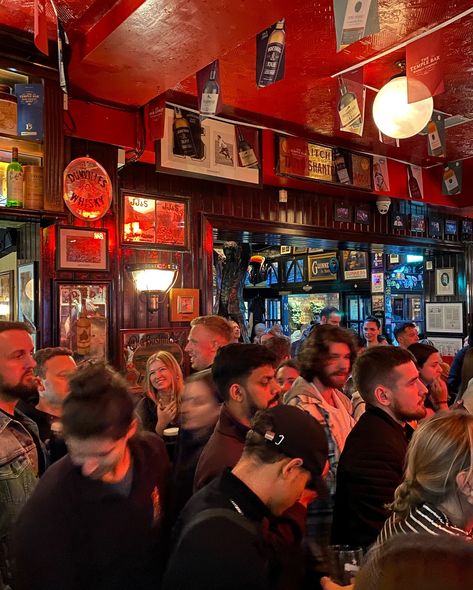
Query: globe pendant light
x,y
394,116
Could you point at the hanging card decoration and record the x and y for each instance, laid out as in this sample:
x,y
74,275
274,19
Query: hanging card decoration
x,y
209,90
155,114
380,174
387,140
270,54
40,26
351,106
64,56
436,135
354,20
452,178
246,140
424,67
415,182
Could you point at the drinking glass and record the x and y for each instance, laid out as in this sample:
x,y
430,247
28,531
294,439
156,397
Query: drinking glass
x,y
345,561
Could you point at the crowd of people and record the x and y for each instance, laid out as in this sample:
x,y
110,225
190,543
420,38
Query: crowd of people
x,y
243,474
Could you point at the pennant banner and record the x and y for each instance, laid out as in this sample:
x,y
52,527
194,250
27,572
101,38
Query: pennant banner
x,y
380,174
155,115
351,106
208,89
452,179
270,54
415,182
387,140
354,20
40,26
436,135
424,67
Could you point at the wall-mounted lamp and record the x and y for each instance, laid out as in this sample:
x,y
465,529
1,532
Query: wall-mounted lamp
x,y
393,115
154,280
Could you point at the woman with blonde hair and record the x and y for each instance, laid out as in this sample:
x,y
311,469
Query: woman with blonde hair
x,y
163,388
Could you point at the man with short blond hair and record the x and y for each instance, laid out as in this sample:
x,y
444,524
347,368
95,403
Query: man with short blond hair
x,y
208,333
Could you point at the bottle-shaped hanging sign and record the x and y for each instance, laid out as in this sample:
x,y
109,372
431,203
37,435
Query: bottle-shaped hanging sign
x,y
246,153
210,93
83,328
183,134
348,109
414,189
273,55
340,167
450,181
435,142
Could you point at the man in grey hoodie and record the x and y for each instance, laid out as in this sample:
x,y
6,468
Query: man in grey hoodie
x,y
325,362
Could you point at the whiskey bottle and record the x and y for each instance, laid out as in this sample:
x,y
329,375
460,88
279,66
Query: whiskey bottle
x,y
414,189
210,93
435,143
340,167
83,327
245,151
183,134
348,109
14,181
273,55
450,180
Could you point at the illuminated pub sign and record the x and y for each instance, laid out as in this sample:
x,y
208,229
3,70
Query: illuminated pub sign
x,y
304,159
87,189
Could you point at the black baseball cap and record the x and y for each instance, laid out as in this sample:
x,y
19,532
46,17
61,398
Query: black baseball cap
x,y
298,435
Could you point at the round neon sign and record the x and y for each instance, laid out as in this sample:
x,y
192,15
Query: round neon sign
x,y
87,189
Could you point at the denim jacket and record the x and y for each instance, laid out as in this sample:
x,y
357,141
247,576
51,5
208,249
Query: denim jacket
x,y
19,463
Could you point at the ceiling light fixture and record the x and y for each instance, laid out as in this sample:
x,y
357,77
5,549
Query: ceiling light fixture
x,y
154,281
393,115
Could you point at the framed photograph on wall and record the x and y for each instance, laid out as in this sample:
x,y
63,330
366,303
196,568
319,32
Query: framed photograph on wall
x,y
355,265
467,229
444,317
444,281
399,221
81,248
362,215
417,223
435,227
184,304
342,212
7,288
28,294
83,318
451,227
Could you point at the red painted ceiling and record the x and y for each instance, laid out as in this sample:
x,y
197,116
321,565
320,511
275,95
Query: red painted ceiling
x,y
129,51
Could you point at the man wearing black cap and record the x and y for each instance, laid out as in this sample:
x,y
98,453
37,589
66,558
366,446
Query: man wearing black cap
x,y
220,535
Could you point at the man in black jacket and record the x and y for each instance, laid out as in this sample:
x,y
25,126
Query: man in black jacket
x,y
372,462
221,533
95,518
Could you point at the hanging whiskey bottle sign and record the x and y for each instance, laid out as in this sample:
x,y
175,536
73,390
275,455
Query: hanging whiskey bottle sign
x,y
246,153
450,181
210,91
436,135
340,167
349,110
270,46
183,134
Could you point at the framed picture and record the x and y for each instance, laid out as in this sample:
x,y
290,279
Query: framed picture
x,y
27,294
355,265
137,345
362,215
83,318
155,220
394,259
80,248
444,281
7,283
322,267
417,223
435,227
451,227
286,249
444,317
447,346
184,304
399,221
467,228
377,282
343,212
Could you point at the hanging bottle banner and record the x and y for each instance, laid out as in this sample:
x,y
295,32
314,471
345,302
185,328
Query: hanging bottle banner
x,y
351,106
270,54
414,182
246,140
187,132
436,135
340,164
354,20
452,178
154,113
40,26
380,174
209,90
64,54
424,67
386,140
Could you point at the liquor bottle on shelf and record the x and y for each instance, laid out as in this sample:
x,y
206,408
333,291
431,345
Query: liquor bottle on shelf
x,y
414,189
273,55
183,134
340,167
14,181
450,180
210,93
348,109
435,142
245,151
83,327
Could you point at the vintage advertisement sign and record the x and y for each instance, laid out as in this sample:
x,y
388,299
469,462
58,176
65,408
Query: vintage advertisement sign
x,y
355,265
323,267
270,54
298,157
424,67
361,171
87,189
380,174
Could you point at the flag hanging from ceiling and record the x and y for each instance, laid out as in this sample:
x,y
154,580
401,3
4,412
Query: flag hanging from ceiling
x,y
452,178
155,113
354,20
380,174
40,26
209,92
351,105
271,54
435,130
424,67
415,182
387,140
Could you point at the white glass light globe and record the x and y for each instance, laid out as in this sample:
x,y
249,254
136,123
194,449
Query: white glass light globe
x,y
394,116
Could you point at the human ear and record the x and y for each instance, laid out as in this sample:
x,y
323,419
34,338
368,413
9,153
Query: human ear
x,y
290,468
235,392
382,395
464,485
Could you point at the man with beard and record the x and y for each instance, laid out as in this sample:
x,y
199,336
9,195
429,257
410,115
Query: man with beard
x,y
371,465
208,333
22,457
325,364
